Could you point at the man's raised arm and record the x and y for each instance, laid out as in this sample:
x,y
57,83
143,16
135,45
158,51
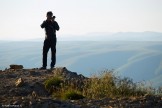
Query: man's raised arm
x,y
43,25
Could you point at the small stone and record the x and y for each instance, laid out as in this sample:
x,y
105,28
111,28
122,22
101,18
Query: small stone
x,y
39,100
32,102
72,101
19,82
16,103
34,94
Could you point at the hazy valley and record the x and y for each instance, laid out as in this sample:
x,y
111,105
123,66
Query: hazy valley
x,y
138,60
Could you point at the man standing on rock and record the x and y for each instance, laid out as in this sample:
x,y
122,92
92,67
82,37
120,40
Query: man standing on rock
x,y
50,26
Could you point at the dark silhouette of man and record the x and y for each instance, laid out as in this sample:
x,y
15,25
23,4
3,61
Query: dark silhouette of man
x,y
50,26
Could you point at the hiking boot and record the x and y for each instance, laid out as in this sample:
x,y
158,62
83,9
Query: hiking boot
x,y
52,68
42,68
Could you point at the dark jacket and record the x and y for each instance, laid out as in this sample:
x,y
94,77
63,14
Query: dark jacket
x,y
50,28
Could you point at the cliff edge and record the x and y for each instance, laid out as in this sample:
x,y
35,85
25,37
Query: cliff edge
x,y
26,88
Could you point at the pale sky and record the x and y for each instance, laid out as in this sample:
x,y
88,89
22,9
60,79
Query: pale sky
x,y
21,19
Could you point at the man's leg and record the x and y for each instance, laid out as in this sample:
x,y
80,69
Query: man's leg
x,y
45,52
53,52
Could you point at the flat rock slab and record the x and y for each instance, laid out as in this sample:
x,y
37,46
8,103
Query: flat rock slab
x,y
14,66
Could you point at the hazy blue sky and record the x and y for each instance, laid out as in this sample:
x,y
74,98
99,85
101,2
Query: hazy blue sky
x,y
21,19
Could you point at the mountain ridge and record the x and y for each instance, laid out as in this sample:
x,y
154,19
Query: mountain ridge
x,y
105,36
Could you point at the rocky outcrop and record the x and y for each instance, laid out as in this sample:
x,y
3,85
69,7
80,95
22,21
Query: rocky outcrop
x,y
30,92
25,87
68,75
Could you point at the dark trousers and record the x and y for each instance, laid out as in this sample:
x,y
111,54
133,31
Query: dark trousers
x,y
49,43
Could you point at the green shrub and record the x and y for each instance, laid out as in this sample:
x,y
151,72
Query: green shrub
x,y
53,82
73,95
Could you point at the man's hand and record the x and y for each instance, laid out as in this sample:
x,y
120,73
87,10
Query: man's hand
x,y
53,18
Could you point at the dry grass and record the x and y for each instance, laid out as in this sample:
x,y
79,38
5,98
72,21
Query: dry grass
x,y
105,84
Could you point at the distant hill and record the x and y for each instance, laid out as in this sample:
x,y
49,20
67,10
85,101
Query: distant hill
x,y
105,36
119,36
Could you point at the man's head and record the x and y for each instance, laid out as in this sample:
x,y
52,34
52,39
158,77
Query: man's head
x,y
49,15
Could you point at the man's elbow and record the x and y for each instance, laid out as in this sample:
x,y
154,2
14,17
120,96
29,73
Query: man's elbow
x,y
41,26
58,29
